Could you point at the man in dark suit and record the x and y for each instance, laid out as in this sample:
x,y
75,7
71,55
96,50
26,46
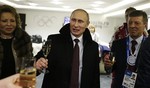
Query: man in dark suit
x,y
126,60
60,57
143,78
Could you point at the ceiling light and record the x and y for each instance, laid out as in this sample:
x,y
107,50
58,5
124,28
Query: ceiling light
x,y
56,2
32,4
141,7
66,7
8,2
119,4
99,9
144,6
17,0
95,5
98,2
114,13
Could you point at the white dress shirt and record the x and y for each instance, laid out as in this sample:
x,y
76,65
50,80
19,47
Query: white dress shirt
x,y
80,43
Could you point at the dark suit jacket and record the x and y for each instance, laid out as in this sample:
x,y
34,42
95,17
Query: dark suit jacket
x,y
60,59
143,78
119,48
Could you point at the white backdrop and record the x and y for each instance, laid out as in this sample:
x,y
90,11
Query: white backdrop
x,y
49,22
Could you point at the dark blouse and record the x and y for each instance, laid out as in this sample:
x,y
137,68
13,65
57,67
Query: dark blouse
x,y
8,62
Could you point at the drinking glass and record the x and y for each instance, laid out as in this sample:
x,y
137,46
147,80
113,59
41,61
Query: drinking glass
x,y
28,73
46,47
110,61
112,58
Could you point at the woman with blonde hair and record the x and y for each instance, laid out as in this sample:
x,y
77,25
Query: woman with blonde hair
x,y
15,43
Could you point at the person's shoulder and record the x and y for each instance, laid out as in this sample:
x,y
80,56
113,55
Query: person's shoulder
x,y
56,37
121,27
21,34
94,43
53,36
147,39
120,40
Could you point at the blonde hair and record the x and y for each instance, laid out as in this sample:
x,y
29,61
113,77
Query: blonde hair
x,y
91,26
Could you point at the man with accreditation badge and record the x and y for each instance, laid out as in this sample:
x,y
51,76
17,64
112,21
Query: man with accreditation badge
x,y
126,52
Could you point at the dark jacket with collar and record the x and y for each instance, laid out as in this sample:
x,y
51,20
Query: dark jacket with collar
x,y
21,46
60,59
143,77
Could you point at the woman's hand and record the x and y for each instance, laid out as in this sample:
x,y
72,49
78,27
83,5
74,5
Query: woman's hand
x,y
10,82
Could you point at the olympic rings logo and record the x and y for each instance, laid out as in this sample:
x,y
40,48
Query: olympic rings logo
x,y
44,21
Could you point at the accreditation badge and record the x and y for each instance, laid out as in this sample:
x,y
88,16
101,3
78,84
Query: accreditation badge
x,y
131,60
129,79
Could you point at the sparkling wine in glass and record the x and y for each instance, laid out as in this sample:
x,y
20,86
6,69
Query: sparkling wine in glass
x,y
112,58
46,47
28,73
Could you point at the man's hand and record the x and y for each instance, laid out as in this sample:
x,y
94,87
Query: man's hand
x,y
107,62
41,64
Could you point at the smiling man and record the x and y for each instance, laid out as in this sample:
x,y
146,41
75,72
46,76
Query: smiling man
x,y
126,52
60,59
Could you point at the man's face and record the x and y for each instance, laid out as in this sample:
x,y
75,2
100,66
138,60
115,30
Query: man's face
x,y
136,26
78,23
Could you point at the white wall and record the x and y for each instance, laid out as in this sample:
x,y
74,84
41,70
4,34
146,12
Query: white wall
x,y
105,27
50,22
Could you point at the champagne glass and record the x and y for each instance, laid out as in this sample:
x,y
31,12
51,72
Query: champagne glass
x,y
46,47
28,73
112,58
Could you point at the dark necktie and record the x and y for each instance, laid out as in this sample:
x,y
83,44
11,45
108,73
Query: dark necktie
x,y
74,83
133,46
132,68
